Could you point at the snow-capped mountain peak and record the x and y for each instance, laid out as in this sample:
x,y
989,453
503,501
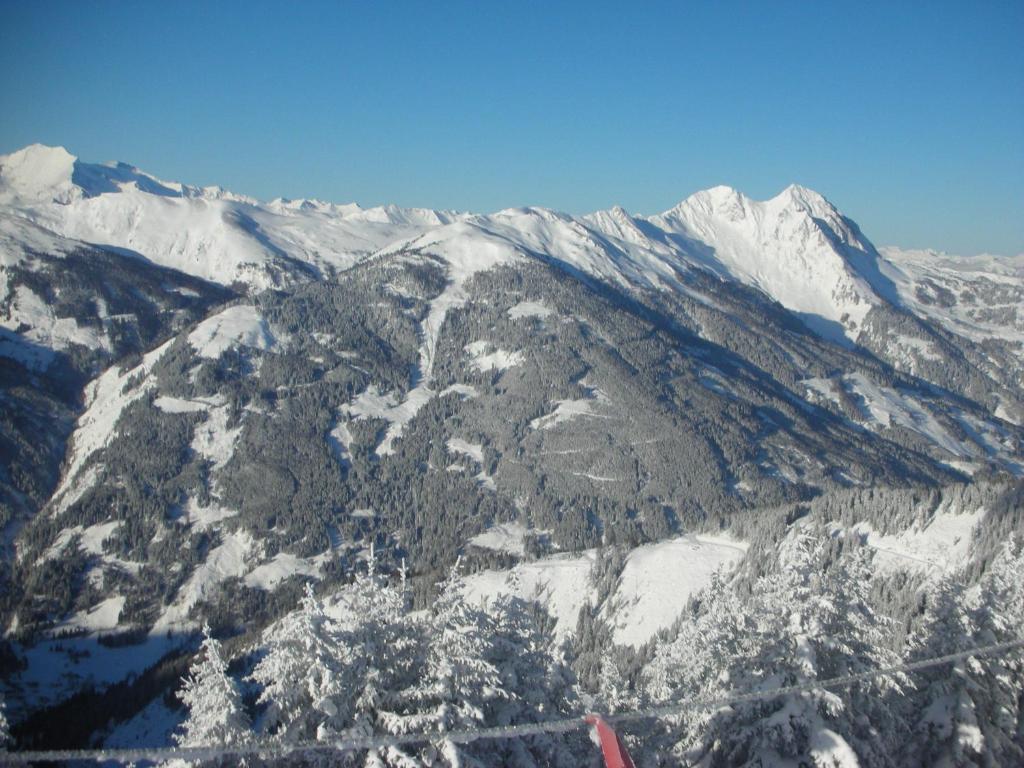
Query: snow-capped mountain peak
x,y
37,172
796,247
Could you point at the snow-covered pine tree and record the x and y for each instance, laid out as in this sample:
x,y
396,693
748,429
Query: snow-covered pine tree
x,y
614,691
810,621
969,713
5,731
216,714
459,687
537,679
385,646
307,689
946,730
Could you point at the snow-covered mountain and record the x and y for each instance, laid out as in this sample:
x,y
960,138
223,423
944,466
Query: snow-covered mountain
x,y
207,232
796,247
236,396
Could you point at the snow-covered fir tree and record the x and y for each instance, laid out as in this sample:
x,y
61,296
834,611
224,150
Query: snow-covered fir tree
x,y
5,732
308,691
537,677
216,714
809,621
458,686
478,668
969,713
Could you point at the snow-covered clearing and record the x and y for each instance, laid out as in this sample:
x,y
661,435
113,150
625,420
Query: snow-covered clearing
x,y
32,318
90,540
939,545
888,407
339,439
372,404
561,582
102,616
484,356
225,561
529,309
465,391
283,566
177,405
474,451
659,579
504,537
213,440
240,325
821,388
567,410
202,518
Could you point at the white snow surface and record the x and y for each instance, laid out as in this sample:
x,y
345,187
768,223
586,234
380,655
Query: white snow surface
x,y
659,579
567,410
656,583
239,325
475,451
226,560
883,408
937,545
484,356
529,309
503,537
32,319
796,247
282,566
561,582
213,440
178,405
201,518
887,407
102,616
106,398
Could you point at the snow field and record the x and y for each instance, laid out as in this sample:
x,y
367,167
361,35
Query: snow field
x,y
939,545
486,357
504,537
657,581
242,325
529,309
567,410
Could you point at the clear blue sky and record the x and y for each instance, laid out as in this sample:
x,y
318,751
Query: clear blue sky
x,y
908,116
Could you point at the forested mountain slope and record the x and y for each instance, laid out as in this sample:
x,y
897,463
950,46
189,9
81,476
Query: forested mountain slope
x,y
210,401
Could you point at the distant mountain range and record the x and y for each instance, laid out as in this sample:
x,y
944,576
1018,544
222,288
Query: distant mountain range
x,y
208,399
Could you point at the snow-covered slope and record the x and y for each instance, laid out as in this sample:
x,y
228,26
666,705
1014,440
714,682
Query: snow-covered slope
x,y
796,247
206,232
978,297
